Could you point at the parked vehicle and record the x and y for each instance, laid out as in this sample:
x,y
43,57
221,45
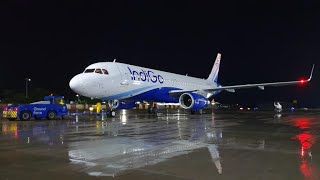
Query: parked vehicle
x,y
50,108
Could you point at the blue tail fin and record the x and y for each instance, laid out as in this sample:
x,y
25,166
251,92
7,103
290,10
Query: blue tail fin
x,y
213,77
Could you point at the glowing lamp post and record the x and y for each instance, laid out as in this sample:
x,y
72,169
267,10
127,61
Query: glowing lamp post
x,y
78,97
27,80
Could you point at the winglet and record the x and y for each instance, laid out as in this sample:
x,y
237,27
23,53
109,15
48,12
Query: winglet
x,y
311,73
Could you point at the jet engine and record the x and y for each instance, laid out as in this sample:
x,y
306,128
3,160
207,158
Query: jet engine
x,y
123,104
193,101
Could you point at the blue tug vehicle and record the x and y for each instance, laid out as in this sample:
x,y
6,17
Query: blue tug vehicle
x,y
51,107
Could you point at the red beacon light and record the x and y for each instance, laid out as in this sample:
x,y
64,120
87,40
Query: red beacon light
x,y
302,81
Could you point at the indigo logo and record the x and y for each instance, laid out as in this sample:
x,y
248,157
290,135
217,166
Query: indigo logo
x,y
145,76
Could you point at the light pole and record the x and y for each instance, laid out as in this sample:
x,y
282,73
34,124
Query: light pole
x,y
27,80
78,98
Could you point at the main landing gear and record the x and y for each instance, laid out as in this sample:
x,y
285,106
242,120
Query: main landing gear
x,y
196,111
153,109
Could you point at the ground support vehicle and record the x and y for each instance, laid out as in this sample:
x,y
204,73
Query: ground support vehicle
x,y
50,108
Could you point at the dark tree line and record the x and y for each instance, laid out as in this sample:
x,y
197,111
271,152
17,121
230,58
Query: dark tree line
x,y
37,94
16,96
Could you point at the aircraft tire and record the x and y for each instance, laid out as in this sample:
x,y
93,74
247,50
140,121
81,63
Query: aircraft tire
x,y
111,114
154,110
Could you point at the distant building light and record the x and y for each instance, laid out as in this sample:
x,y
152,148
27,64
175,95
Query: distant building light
x,y
90,109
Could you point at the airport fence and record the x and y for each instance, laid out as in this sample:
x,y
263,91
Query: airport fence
x,y
92,107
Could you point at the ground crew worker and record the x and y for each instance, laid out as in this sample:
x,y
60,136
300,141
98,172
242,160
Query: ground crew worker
x,y
61,102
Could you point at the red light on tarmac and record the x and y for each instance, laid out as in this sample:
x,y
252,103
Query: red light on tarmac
x,y
302,81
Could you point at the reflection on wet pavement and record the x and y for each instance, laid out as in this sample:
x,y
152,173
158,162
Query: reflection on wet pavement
x,y
220,145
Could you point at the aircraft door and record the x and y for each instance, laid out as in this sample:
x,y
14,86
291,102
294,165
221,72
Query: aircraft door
x,y
125,75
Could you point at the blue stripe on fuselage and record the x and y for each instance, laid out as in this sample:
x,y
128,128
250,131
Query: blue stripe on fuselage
x,y
156,95
125,94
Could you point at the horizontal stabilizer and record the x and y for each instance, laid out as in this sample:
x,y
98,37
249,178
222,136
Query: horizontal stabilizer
x,y
231,90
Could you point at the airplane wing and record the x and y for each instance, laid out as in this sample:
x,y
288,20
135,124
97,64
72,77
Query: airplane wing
x,y
234,87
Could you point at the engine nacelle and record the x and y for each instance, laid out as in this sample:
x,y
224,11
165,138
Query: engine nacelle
x,y
123,104
193,101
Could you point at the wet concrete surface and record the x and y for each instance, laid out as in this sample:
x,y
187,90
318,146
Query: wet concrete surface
x,y
170,145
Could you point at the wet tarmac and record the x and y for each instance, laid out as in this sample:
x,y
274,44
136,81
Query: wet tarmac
x,y
135,145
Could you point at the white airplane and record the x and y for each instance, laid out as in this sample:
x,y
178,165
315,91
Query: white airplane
x,y
123,85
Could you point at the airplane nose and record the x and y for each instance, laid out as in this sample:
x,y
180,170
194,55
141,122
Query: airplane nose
x,y
75,84
85,85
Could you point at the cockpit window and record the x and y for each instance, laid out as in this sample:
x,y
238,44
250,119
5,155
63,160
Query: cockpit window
x,y
89,71
105,71
98,71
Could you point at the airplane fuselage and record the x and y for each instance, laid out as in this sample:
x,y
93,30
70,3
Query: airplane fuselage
x,y
134,83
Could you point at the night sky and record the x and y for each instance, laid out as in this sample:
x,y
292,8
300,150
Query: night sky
x,y
260,41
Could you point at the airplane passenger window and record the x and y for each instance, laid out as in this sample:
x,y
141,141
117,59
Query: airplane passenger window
x,y
105,71
98,71
89,71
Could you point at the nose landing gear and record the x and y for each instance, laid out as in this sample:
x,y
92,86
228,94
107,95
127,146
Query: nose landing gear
x,y
112,104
